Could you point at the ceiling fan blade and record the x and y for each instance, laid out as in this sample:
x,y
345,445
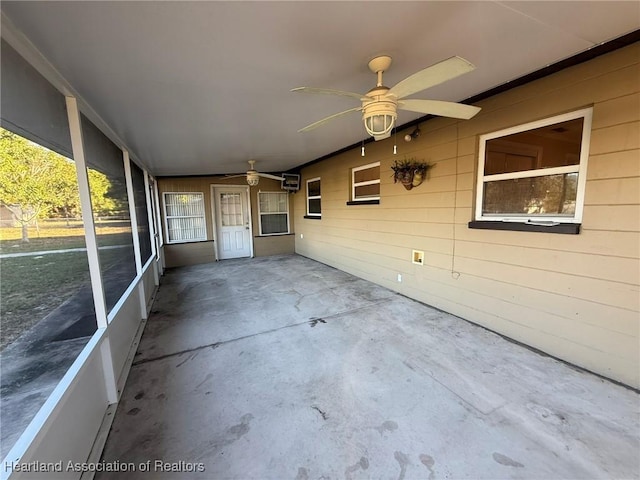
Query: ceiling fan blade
x,y
328,91
236,176
327,119
272,177
440,108
431,76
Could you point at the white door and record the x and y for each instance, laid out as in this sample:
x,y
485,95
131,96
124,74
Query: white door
x,y
233,222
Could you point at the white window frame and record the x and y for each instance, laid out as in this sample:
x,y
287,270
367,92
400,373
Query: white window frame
x,y
261,213
362,184
167,217
314,197
580,169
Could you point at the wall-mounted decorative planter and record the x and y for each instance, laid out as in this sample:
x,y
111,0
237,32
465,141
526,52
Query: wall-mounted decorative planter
x,y
410,172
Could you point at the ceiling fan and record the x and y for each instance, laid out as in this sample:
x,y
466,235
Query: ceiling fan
x,y
253,176
380,104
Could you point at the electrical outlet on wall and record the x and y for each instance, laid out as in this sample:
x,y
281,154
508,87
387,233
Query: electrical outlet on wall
x,y
301,236
400,277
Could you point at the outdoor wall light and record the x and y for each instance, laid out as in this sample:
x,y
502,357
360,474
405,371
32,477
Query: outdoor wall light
x,y
410,136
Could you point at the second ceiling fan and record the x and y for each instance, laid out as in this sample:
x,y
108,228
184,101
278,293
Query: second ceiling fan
x,y
380,104
253,176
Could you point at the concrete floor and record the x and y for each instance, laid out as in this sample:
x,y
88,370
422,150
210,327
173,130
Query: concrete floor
x,y
284,368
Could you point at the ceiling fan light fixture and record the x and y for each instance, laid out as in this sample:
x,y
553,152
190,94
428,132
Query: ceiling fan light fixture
x,y
253,179
379,118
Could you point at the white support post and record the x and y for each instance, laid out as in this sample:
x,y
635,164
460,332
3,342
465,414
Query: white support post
x,y
87,212
93,257
132,210
158,226
113,395
152,226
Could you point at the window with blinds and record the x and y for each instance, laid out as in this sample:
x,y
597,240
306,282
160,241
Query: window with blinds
x,y
273,209
184,217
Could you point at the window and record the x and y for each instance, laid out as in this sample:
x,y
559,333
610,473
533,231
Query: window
x,y
535,173
313,198
184,216
273,208
365,182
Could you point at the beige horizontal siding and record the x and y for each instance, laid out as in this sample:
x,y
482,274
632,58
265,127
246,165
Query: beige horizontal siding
x,y
617,138
612,191
181,254
273,245
625,218
574,296
616,111
606,267
627,164
596,290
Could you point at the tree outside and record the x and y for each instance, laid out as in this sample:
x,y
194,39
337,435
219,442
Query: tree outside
x,y
37,183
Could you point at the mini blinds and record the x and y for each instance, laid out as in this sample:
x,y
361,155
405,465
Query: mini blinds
x,y
274,213
184,216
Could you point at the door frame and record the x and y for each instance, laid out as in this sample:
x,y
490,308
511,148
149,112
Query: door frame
x,y
246,190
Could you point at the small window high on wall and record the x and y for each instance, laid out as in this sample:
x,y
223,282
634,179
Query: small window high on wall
x,y
535,173
365,182
314,198
184,217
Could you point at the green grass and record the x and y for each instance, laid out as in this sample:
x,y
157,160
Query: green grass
x,y
34,285
42,244
30,287
57,236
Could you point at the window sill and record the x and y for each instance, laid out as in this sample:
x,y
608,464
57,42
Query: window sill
x,y
312,217
182,242
364,202
563,228
272,235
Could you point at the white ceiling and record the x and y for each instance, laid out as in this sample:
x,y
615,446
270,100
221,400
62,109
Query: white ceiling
x,y
201,87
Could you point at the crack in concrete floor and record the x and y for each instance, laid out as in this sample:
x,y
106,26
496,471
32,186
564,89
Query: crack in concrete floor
x,y
312,322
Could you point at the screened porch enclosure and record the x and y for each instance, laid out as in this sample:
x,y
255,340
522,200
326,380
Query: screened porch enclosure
x,y
78,275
